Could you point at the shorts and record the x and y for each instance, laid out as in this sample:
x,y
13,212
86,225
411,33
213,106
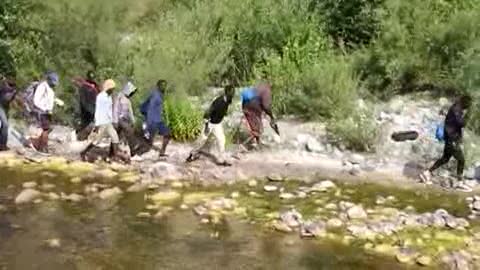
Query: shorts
x,y
44,120
103,132
161,128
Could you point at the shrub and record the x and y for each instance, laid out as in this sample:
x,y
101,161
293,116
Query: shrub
x,y
183,118
357,131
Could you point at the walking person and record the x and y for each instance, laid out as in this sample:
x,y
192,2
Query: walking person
x,y
123,117
43,102
104,123
88,90
152,110
453,135
255,102
213,126
8,92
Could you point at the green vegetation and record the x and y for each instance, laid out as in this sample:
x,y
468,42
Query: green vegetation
x,y
320,55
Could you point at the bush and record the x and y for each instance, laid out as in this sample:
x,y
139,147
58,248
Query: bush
x,y
357,131
183,118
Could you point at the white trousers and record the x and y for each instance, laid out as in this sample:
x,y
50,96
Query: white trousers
x,y
216,132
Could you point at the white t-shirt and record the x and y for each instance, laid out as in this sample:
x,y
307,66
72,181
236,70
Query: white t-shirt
x,y
44,98
103,109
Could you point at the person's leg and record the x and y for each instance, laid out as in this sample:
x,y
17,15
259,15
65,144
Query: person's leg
x,y
447,154
201,143
3,130
93,139
219,135
460,157
165,132
42,142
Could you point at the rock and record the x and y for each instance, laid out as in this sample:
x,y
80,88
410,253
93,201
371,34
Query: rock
x,y
200,210
323,186
37,201
424,260
3,208
406,256
344,206
292,218
313,229
281,227
253,194
451,222
110,193
396,106
476,205
334,223
287,196
463,223
457,261
314,146
144,215
252,183
139,187
53,196
380,200
29,185
275,178
235,195
200,197
167,196
53,243
269,188
27,196
469,173
356,212
184,207
76,180
331,206
385,249
357,159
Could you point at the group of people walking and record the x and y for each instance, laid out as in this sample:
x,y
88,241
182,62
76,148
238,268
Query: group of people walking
x,y
108,114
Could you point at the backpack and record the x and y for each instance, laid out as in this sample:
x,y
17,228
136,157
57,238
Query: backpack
x,y
28,95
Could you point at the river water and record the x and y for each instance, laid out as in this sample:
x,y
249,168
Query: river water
x,y
96,234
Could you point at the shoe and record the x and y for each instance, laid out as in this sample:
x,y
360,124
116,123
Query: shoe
x,y
4,148
225,164
192,158
426,177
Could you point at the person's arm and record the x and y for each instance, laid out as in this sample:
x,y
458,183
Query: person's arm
x,y
130,110
116,110
460,118
50,100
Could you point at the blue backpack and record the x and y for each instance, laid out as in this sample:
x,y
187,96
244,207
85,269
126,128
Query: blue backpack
x,y
440,132
248,94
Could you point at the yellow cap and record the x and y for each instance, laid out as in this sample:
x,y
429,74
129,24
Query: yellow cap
x,y
108,84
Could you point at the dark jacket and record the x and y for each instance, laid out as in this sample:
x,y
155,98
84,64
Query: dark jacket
x,y
454,123
8,92
152,108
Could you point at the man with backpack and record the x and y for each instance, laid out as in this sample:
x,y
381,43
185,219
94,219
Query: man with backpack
x,y
43,103
7,95
152,110
453,135
213,126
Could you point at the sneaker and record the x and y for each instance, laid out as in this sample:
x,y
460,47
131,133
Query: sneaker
x,y
463,187
426,177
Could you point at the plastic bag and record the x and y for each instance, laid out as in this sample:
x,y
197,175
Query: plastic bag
x,y
439,132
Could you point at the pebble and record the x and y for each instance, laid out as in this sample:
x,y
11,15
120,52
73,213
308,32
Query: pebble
x,y
275,178
27,196
331,206
53,243
424,260
53,196
47,186
356,212
252,183
177,184
287,196
110,193
235,195
76,180
334,223
29,185
72,197
184,207
269,188
144,215
281,227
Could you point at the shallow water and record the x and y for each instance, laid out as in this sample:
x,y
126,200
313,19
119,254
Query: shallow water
x,y
108,235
